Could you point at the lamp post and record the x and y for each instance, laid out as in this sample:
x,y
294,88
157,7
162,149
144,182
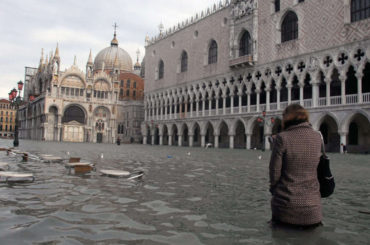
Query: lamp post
x,y
15,102
262,121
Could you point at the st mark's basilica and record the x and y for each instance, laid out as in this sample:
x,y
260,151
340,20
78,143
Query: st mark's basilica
x,y
100,104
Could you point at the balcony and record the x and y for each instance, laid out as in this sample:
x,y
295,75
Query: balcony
x,y
240,62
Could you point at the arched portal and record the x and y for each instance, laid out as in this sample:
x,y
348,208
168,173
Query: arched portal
x,y
156,136
257,136
209,137
224,136
165,135
240,137
329,131
175,135
197,137
149,136
73,120
358,134
185,135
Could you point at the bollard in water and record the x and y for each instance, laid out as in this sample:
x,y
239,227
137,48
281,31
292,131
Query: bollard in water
x,y
25,157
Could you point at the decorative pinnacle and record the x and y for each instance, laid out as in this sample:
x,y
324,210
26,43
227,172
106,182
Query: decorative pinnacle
x,y
138,54
114,42
161,28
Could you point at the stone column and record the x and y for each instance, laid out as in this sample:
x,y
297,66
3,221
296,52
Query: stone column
x,y
145,140
248,141
152,139
191,140
162,111
145,114
180,108
180,140
170,139
165,111
224,104
197,107
301,94
191,108
315,94
210,107
203,140
289,87
160,139
359,86
175,111
203,107
217,141
343,88
343,140
267,143
327,82
217,105
231,141
157,111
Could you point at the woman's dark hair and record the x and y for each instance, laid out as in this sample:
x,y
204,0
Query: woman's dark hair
x,y
294,114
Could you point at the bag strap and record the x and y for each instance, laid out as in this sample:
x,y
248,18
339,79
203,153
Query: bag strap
x,y
322,144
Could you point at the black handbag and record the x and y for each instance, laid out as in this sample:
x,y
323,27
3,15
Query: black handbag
x,y
326,179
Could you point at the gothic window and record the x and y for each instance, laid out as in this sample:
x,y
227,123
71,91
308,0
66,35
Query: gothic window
x,y
277,5
121,83
134,94
212,53
289,27
160,69
128,83
134,84
360,9
245,46
121,92
127,92
184,61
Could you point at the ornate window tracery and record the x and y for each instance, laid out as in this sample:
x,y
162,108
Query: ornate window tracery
x,y
245,45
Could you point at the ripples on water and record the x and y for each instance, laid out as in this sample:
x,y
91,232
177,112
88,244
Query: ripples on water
x,y
208,197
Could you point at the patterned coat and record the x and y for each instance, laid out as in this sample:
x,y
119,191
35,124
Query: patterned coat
x,y
293,176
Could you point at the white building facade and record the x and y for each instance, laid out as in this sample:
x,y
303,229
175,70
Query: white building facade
x,y
78,106
209,79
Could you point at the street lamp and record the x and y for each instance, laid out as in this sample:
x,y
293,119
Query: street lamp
x,y
15,101
262,121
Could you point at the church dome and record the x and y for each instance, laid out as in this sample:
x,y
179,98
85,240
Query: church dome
x,y
112,57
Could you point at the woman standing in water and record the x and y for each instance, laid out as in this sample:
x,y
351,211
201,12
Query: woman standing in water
x,y
294,186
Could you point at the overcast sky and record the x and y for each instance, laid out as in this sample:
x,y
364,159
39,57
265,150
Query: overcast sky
x,y
27,26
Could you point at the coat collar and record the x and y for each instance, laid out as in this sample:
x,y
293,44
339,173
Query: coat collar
x,y
301,125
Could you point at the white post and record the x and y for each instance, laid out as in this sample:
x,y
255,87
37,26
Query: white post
x,y
248,143
180,140
203,140
161,140
216,141
231,141
144,140
191,140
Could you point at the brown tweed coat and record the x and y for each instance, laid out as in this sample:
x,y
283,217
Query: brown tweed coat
x,y
293,176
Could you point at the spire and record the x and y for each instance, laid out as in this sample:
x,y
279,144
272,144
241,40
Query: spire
x,y
47,60
75,61
57,52
90,61
137,65
114,41
161,28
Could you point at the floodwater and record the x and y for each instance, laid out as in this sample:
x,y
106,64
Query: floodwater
x,y
209,196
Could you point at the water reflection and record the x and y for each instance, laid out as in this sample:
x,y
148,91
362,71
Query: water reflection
x,y
208,197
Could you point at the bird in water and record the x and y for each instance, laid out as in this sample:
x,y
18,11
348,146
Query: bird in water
x,y
189,153
101,155
259,157
208,145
